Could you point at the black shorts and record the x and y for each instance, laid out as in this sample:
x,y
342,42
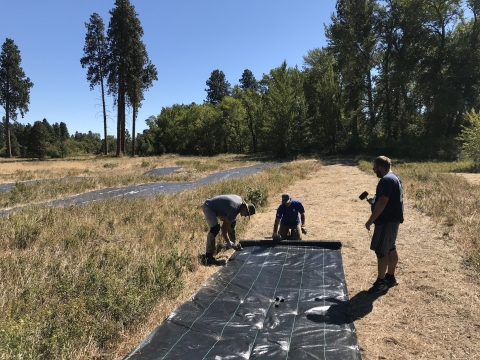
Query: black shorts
x,y
384,238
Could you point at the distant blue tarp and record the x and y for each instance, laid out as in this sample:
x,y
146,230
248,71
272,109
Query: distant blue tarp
x,y
284,300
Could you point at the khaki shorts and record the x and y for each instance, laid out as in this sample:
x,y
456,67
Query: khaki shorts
x,y
283,231
384,238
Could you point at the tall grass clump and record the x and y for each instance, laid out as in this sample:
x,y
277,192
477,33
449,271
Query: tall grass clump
x,y
438,191
74,280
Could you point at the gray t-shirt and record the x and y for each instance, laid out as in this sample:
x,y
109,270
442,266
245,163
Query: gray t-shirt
x,y
225,205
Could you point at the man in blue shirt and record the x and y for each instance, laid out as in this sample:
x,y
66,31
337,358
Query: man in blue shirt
x,y
288,218
387,215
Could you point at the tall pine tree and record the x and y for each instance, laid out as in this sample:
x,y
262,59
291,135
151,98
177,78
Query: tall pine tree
x,y
14,87
95,59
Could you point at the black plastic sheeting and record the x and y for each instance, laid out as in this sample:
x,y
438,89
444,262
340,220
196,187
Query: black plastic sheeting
x,y
150,189
286,300
162,171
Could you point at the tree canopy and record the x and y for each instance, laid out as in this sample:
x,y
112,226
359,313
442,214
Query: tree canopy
x,y
218,87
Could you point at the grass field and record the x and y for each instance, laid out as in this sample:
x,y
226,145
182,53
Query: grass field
x,y
74,279
99,173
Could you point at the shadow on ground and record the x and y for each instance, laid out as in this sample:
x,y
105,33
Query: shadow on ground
x,y
362,304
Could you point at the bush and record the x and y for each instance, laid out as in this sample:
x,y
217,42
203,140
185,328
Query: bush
x,y
470,137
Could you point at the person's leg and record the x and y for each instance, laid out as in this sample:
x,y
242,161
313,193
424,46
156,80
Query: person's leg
x,y
212,222
392,234
392,262
296,233
382,266
379,244
283,231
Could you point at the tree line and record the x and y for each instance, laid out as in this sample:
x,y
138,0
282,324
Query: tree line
x,y
396,76
44,140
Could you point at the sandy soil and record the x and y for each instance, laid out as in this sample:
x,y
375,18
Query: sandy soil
x,y
434,313
472,178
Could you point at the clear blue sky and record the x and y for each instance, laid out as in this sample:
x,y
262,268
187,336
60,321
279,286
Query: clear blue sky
x,y
186,40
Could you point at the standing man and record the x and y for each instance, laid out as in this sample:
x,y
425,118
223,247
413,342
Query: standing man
x,y
387,215
225,208
287,217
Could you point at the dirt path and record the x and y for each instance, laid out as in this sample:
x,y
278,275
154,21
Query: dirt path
x,y
433,314
435,311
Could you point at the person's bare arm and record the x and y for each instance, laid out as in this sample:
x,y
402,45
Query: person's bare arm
x,y
302,219
275,226
377,210
225,226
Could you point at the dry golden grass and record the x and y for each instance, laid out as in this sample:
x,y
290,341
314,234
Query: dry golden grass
x,y
77,281
13,170
91,282
101,172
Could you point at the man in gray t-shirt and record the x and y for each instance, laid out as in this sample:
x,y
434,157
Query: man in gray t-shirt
x,y
225,208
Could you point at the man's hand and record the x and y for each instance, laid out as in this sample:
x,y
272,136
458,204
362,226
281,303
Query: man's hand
x,y
368,224
304,231
276,237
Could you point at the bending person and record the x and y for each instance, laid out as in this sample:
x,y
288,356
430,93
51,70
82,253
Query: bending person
x,y
226,208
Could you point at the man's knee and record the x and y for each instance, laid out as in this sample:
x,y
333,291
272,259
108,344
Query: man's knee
x,y
380,255
215,229
233,224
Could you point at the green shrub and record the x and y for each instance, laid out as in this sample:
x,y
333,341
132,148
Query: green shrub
x,y
110,165
470,138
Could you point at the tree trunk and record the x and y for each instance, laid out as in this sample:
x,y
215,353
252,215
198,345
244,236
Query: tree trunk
x,y
123,121
105,145
133,129
119,121
7,127
371,110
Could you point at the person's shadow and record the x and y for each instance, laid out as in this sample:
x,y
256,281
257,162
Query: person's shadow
x,y
362,304
345,311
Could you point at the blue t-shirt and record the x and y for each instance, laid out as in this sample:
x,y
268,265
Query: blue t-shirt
x,y
390,186
289,215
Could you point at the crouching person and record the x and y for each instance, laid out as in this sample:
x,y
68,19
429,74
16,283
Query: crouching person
x,y
288,218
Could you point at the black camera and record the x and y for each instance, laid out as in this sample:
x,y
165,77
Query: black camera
x,y
363,195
